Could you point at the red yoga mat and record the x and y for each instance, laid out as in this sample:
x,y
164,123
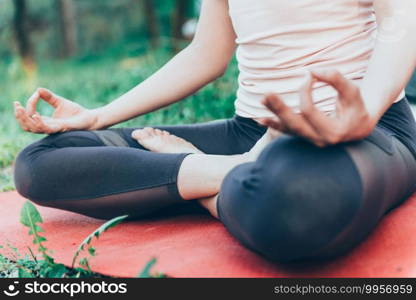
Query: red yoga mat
x,y
199,246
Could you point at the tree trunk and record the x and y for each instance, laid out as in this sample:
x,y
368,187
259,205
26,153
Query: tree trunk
x,y
151,23
22,34
68,27
182,11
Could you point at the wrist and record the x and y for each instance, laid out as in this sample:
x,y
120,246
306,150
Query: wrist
x,y
94,119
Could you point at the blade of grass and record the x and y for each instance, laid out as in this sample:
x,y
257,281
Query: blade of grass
x,y
112,223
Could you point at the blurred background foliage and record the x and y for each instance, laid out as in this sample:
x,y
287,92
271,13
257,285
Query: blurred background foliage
x,y
59,28
92,51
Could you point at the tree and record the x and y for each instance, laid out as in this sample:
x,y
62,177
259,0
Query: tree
x,y
152,26
22,34
183,9
68,27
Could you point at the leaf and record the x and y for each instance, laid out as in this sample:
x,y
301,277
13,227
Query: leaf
x,y
24,273
91,251
145,273
14,250
84,262
106,226
49,259
30,216
56,271
38,240
36,228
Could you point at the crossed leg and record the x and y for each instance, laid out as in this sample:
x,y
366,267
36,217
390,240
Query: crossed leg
x,y
108,173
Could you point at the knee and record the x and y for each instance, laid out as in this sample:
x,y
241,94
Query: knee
x,y
37,168
28,181
286,214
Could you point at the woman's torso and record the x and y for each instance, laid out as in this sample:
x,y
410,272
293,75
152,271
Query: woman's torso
x,y
280,40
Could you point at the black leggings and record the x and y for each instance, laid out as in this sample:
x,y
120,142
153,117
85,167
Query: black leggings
x,y
296,202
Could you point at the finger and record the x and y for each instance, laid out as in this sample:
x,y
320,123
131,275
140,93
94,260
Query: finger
x,y
24,119
321,123
332,77
32,102
273,123
289,122
306,99
36,126
338,109
41,125
336,80
276,105
293,122
18,116
50,97
32,125
29,121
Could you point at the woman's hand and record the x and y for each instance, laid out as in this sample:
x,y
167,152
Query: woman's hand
x,y
351,121
67,114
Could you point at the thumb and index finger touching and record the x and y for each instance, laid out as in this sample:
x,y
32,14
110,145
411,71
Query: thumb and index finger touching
x,y
345,88
44,94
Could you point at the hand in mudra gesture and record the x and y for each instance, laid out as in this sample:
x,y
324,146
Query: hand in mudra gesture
x,y
67,114
351,121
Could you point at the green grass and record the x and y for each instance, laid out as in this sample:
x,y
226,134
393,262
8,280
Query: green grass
x,y
94,81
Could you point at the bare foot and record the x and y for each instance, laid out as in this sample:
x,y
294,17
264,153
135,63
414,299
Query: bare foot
x,y
161,141
210,204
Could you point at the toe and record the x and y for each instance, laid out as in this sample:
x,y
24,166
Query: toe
x,y
146,133
147,129
140,134
158,131
152,131
136,133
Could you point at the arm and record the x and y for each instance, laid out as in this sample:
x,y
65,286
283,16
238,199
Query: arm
x,y
394,57
358,109
204,60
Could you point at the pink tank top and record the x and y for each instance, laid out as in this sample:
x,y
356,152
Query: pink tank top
x,y
280,40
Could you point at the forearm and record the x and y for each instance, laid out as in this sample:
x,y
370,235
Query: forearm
x,y
186,73
393,59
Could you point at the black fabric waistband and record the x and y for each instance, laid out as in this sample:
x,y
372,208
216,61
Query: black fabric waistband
x,y
248,121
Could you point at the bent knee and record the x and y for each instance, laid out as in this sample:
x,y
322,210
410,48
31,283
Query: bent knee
x,y
287,214
28,184
36,168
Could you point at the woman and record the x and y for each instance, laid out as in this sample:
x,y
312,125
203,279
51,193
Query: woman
x,y
338,154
